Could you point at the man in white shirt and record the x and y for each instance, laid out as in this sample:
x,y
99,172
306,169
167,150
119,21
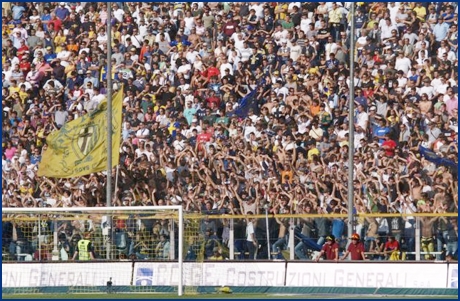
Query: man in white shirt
x,y
427,88
191,55
248,129
402,63
57,85
441,87
142,133
279,34
166,35
238,37
179,143
304,22
362,118
296,51
251,241
246,52
136,38
281,90
64,56
224,66
118,12
402,80
185,69
97,97
259,9
393,7
386,27
330,47
410,35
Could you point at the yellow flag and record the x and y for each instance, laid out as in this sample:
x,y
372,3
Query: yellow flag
x,y
79,147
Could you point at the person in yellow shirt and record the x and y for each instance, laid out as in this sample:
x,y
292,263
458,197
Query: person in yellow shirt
x,y
420,10
14,87
91,32
312,150
372,20
84,250
335,15
60,38
25,188
22,93
281,10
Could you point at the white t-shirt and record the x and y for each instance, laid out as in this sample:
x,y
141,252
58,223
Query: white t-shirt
x,y
403,64
119,13
428,90
249,231
362,120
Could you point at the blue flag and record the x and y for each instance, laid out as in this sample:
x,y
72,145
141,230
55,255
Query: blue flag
x,y
433,157
246,103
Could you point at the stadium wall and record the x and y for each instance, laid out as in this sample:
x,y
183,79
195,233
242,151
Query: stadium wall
x,y
260,275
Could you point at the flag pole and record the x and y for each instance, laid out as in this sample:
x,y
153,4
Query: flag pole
x,y
108,76
351,119
109,104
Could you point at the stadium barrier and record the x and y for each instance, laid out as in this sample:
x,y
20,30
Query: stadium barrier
x,y
144,275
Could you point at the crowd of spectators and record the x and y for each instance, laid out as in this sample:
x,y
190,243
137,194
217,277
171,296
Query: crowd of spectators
x,y
237,107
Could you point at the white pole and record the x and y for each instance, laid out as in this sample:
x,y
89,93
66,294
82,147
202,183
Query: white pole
x,y
268,233
291,240
172,242
181,251
116,181
39,237
109,126
55,254
109,105
417,238
351,125
231,241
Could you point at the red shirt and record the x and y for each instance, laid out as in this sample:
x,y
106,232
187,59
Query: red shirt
x,y
25,67
392,245
210,72
21,51
368,93
56,23
390,151
211,100
330,250
202,138
355,251
229,28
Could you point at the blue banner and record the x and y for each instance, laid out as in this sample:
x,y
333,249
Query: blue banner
x,y
433,157
246,103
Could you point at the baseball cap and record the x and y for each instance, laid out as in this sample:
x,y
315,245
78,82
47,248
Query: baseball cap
x,y
330,237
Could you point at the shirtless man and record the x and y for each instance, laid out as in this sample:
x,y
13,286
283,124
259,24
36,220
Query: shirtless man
x,y
427,242
282,235
425,104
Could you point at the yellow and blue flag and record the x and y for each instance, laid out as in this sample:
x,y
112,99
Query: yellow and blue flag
x,y
79,147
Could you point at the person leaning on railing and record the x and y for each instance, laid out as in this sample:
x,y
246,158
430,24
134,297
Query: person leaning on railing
x,y
392,249
330,249
355,249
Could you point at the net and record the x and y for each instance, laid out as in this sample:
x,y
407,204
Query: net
x,y
88,247
142,249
